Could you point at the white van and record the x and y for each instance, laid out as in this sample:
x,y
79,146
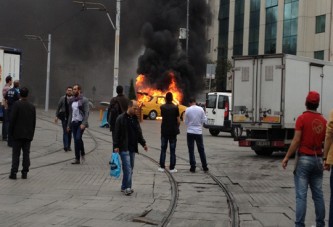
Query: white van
x,y
218,114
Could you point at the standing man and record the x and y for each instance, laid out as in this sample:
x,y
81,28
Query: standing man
x,y
308,138
11,97
78,121
22,129
194,119
118,105
5,120
127,135
62,113
169,131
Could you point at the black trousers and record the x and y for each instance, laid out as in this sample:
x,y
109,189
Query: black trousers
x,y
23,144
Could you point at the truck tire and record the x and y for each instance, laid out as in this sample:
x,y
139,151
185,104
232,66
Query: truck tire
x,y
152,115
236,131
262,151
214,132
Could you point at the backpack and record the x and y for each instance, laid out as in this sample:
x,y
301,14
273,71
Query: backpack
x,y
114,111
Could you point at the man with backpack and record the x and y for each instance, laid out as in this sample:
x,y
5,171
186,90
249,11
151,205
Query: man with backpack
x,y
117,106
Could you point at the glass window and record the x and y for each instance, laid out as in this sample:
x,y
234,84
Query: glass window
x,y
320,23
211,101
221,103
319,54
223,29
290,26
238,27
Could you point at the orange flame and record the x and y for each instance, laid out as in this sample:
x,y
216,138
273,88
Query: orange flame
x,y
146,90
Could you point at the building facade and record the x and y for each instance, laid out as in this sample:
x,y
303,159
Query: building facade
x,y
256,27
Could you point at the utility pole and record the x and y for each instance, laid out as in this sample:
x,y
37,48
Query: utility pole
x,y
187,25
48,51
116,50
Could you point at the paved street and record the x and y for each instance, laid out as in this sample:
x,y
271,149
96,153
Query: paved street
x,y
57,193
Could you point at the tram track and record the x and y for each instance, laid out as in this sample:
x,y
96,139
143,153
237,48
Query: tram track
x,y
233,209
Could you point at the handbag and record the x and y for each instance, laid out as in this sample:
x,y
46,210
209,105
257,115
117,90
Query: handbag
x,y
115,166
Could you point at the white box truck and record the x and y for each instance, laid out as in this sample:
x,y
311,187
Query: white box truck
x,y
10,65
269,94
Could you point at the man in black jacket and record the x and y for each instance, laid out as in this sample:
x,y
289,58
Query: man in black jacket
x,y
62,113
22,129
127,135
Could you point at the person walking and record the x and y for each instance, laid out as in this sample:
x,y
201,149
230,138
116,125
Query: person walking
x,y
169,131
4,106
194,119
62,113
328,161
127,135
78,121
118,105
22,129
308,138
11,97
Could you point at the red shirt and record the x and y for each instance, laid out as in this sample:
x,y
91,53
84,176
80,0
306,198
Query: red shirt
x,y
313,128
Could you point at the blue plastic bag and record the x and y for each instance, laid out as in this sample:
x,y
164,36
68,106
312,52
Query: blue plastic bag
x,y
115,166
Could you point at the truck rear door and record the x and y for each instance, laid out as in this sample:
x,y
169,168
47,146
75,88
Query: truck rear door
x,y
269,93
244,90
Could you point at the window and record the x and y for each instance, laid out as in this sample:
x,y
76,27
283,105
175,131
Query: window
x,y
222,101
319,54
239,27
290,26
254,27
223,29
320,23
211,101
271,26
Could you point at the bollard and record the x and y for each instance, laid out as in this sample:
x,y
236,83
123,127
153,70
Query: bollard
x,y
100,114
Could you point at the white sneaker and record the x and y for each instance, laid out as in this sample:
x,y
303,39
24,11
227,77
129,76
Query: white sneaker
x,y
160,169
173,170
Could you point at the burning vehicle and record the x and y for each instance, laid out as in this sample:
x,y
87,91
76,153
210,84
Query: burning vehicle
x,y
150,99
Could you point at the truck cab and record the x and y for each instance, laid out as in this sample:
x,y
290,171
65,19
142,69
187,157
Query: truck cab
x,y
219,114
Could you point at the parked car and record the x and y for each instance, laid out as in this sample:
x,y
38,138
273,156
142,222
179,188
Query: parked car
x,y
151,109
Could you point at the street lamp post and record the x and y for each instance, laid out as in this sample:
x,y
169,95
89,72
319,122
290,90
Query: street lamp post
x,y
101,7
187,25
48,50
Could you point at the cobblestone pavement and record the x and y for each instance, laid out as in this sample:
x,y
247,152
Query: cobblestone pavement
x,y
57,193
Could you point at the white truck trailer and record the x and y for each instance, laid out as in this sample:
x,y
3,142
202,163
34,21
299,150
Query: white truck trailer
x,y
269,94
10,65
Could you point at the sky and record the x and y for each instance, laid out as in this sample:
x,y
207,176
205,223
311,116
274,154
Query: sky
x,y
82,49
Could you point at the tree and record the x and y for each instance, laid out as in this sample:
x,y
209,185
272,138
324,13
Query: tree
x,y
131,94
223,66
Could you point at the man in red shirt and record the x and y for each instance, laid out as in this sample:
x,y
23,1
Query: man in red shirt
x,y
308,139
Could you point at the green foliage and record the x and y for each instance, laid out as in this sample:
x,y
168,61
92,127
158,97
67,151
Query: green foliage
x,y
131,94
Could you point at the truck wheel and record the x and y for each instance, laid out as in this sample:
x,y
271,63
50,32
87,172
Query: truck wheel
x,y
152,115
214,132
263,151
236,131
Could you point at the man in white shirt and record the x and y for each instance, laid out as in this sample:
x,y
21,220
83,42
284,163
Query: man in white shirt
x,y
194,119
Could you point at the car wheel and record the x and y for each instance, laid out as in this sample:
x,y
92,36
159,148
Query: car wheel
x,y
214,132
152,115
182,116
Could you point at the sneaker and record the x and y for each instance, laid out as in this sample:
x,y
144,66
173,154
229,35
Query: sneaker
x,y
123,190
160,169
12,176
173,171
128,191
205,169
192,169
24,176
76,162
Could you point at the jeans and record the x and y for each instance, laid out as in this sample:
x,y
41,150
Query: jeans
x,y
164,145
309,172
5,123
127,161
78,142
67,136
330,220
190,144
17,146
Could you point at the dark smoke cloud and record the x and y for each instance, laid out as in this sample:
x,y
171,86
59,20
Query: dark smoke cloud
x,y
83,42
